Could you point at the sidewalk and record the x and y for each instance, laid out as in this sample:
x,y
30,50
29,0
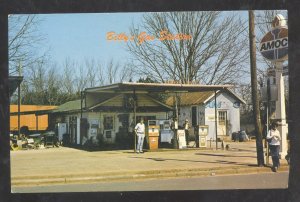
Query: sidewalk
x,y
68,165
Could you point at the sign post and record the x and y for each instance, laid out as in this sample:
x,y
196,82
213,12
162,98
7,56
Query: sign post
x,y
280,113
274,47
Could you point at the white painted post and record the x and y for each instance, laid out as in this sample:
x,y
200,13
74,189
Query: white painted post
x,y
78,131
280,109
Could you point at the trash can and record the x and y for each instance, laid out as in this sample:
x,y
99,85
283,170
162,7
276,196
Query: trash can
x,y
66,139
243,137
153,134
235,136
49,138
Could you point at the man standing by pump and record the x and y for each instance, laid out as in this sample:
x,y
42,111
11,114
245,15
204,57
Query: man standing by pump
x,y
186,127
140,132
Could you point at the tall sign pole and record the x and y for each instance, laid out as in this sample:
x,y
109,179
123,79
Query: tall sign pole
x,y
274,47
280,113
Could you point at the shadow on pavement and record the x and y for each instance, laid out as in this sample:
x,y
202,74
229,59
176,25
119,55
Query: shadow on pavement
x,y
195,161
223,155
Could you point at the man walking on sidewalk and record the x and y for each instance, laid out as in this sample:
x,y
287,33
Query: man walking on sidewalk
x,y
274,142
140,132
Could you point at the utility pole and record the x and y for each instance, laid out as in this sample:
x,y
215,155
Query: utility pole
x,y
175,140
256,112
268,117
134,115
19,99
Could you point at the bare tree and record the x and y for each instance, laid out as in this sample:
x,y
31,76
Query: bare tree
x,y
24,39
91,67
45,85
68,79
53,92
42,85
38,77
80,78
118,73
100,75
214,54
126,73
112,70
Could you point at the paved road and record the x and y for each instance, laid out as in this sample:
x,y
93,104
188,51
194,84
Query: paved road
x,y
247,181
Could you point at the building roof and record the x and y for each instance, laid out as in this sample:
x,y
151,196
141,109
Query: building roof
x,y
196,98
71,106
31,109
193,98
75,106
129,87
197,93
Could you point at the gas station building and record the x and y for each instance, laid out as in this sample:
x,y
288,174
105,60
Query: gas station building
x,y
108,114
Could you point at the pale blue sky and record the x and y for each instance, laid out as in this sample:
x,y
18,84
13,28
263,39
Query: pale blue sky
x,y
79,36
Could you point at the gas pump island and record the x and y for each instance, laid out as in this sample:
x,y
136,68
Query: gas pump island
x,y
274,47
160,131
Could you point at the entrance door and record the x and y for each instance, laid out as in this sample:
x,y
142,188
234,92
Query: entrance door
x,y
83,129
194,116
73,129
222,120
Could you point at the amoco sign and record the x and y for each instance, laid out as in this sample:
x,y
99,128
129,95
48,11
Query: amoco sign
x,y
274,45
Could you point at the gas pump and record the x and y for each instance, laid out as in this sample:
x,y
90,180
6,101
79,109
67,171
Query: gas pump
x,y
153,134
166,133
202,133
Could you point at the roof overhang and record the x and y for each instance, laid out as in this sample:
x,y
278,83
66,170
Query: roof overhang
x,y
14,82
129,87
36,112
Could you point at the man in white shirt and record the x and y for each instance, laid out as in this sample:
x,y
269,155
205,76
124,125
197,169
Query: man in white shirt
x,y
140,132
274,142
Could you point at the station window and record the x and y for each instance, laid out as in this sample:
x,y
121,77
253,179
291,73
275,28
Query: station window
x,y
108,123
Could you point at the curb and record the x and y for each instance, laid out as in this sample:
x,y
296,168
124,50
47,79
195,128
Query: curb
x,y
137,175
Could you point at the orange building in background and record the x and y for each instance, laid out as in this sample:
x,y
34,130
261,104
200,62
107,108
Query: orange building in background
x,y
31,120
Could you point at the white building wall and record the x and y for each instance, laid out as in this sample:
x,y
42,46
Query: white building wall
x,y
100,116
210,121
226,103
